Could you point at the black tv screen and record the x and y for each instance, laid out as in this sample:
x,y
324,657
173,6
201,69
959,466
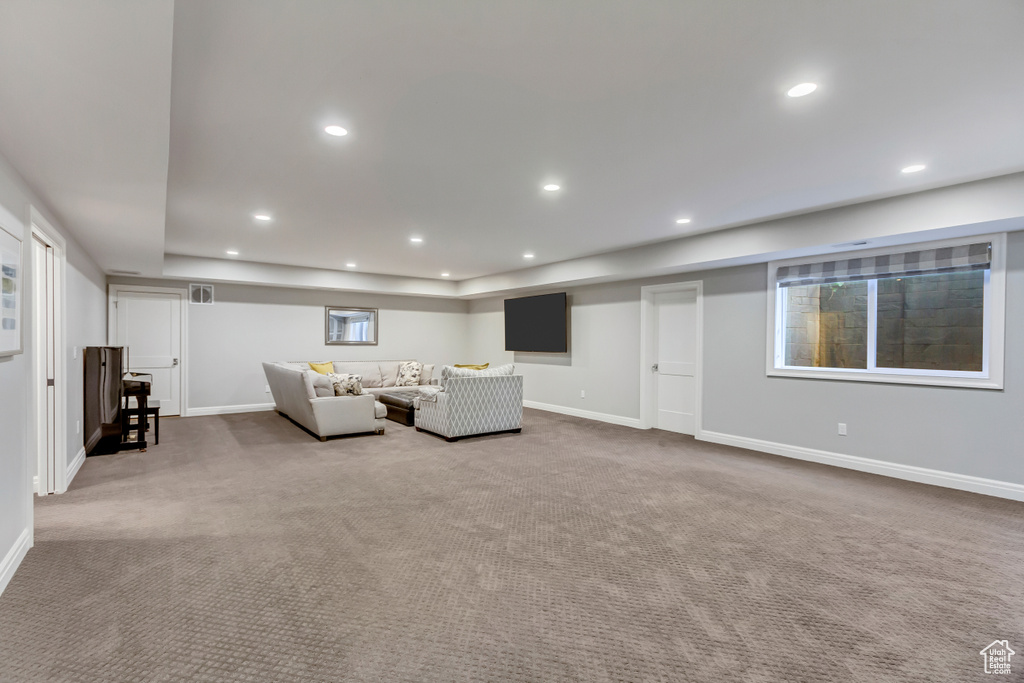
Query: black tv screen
x,y
536,323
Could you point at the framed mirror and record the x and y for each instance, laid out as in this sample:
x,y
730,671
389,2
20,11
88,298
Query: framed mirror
x,y
350,325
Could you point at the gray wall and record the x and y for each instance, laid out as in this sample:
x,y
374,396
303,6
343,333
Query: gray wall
x,y
86,324
247,325
967,431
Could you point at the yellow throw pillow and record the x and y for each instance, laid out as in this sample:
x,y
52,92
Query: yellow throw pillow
x,y
323,368
474,367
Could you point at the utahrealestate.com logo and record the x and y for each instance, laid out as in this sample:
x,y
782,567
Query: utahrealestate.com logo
x,y
997,657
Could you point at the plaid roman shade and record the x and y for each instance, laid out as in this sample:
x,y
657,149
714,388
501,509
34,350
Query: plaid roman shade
x,y
926,261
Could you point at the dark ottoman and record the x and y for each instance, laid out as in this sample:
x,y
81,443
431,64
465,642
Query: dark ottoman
x,y
399,405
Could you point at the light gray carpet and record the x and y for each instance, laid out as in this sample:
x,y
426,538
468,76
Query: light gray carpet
x,y
243,549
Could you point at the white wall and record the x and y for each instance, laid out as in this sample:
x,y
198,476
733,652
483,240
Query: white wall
x,y
247,325
86,324
970,432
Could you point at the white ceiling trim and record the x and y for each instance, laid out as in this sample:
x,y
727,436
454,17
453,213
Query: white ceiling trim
x,y
992,205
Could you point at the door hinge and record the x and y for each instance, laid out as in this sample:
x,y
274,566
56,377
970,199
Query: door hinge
x,y
50,383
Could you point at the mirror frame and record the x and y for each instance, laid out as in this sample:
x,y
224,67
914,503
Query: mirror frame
x,y
327,326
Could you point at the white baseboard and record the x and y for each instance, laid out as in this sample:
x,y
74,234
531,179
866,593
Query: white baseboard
x,y
35,484
227,410
75,465
12,560
923,475
586,414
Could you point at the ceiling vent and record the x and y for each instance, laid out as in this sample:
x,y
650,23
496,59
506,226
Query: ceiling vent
x,y
200,294
116,271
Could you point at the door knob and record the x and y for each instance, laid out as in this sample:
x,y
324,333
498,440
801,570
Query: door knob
x,y
654,368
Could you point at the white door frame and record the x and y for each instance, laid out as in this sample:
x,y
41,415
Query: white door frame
x,y
114,290
648,412
42,229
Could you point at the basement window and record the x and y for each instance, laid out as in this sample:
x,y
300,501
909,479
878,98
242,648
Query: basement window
x,y
923,314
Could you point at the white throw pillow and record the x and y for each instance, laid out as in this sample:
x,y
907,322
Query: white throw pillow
x,y
346,385
409,374
322,384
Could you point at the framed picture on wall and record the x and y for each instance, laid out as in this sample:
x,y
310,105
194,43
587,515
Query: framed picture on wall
x,y
350,325
10,293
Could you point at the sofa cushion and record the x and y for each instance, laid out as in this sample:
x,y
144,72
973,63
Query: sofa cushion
x,y
409,374
323,368
368,370
389,372
323,385
428,372
346,384
307,382
377,391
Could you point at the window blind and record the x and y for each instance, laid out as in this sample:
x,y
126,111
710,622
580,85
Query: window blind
x,y
976,256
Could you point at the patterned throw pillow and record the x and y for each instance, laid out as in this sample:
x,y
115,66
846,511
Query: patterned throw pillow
x,y
409,374
347,385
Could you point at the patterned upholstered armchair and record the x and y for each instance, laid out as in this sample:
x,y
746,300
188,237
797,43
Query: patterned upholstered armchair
x,y
472,402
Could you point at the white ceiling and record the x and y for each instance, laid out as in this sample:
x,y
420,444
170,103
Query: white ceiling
x,y
459,112
84,116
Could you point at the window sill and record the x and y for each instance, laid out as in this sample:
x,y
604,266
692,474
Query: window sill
x,y
964,381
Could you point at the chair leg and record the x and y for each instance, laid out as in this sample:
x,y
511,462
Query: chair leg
x,y
323,438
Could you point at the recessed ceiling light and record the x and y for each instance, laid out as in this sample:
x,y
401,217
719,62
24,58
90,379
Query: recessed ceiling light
x,y
802,89
682,221
231,252
445,274
527,255
336,131
913,168
415,240
350,265
551,187
261,216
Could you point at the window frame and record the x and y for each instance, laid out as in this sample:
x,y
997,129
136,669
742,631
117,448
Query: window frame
x,y
993,334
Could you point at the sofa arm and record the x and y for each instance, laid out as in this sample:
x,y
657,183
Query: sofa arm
x,y
343,414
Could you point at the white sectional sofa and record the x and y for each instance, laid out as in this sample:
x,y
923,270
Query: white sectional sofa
x,y
323,413
296,399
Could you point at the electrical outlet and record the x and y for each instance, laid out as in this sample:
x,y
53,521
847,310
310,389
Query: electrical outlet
x,y
842,429
583,393
266,390
74,353
78,426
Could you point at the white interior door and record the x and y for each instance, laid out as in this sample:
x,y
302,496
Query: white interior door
x,y
149,325
44,375
675,369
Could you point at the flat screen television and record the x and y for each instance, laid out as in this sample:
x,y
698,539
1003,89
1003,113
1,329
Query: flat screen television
x,y
537,323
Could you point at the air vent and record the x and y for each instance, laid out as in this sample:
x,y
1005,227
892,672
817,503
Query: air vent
x,y
200,294
115,271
